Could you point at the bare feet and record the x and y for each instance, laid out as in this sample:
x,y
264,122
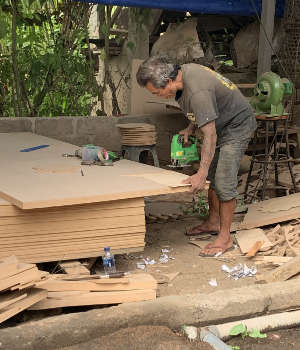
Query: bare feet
x,y
219,245
205,227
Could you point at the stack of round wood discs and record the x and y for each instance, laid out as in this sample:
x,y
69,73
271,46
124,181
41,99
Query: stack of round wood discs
x,y
137,134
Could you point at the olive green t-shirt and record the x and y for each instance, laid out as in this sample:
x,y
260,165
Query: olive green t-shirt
x,y
208,96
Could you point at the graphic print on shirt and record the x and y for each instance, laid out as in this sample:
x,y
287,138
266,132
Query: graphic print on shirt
x,y
225,81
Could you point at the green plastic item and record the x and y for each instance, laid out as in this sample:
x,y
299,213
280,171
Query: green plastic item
x,y
269,94
181,154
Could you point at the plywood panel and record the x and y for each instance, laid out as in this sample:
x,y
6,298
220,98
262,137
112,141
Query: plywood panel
x,y
20,238
76,254
73,216
23,186
8,209
83,225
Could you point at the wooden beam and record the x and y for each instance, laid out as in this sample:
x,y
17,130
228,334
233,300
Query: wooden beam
x,y
265,36
74,267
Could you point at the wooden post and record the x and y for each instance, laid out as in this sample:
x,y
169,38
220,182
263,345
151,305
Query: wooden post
x,y
265,36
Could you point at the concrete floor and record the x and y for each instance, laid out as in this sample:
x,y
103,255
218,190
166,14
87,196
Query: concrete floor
x,y
195,272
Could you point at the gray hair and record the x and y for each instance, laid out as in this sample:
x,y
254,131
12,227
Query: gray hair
x,y
156,70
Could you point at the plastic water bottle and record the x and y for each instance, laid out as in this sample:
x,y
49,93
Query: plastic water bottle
x,y
108,261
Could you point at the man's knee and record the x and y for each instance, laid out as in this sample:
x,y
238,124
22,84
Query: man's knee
x,y
225,189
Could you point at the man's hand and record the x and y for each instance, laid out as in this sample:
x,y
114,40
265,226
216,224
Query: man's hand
x,y
198,182
187,132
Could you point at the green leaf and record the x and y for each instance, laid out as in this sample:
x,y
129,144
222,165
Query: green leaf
x,y
131,45
239,329
103,29
255,333
234,347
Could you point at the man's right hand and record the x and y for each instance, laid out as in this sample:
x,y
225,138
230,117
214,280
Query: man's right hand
x,y
186,133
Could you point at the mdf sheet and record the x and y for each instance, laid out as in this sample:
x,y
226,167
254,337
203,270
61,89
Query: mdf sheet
x,y
43,178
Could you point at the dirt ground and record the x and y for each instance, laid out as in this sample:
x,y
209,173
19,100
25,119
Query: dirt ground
x,y
162,338
141,338
195,272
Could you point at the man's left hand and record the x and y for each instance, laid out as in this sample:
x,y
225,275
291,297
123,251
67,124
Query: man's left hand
x,y
197,181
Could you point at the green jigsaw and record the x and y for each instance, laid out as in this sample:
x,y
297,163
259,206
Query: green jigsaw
x,y
183,154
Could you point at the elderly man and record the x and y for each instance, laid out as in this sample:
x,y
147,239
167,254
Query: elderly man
x,y
216,106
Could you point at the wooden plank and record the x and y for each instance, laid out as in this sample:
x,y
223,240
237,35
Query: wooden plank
x,y
62,245
77,254
271,259
61,189
283,272
74,267
135,282
272,211
33,296
65,250
20,278
96,298
247,238
10,298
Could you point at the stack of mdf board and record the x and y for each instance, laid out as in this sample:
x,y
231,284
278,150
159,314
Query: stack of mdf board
x,y
16,287
137,134
68,290
60,210
79,231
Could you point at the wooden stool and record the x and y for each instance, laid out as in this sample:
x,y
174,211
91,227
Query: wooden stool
x,y
273,141
134,153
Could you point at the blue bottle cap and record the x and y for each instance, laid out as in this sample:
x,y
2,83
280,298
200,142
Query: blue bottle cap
x,y
107,249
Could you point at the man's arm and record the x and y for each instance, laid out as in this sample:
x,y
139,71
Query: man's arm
x,y
208,147
198,180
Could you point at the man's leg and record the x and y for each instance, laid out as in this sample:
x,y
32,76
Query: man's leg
x,y
223,241
226,191
212,223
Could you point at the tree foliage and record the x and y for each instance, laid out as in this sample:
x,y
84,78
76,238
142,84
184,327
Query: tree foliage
x,y
46,68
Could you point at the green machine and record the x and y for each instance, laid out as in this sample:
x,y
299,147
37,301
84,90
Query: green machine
x,y
183,154
270,93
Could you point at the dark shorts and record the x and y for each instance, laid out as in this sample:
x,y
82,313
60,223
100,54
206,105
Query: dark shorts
x,y
224,169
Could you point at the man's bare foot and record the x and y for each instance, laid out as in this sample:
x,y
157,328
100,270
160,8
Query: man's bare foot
x,y
220,245
205,227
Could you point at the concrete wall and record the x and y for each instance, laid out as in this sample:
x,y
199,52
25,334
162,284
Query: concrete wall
x,y
100,131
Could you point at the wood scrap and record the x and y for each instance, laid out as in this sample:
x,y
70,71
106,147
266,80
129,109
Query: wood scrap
x,y
247,238
74,267
254,249
290,238
16,286
282,273
32,296
134,282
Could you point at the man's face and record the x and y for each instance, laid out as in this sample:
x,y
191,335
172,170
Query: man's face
x,y
169,91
